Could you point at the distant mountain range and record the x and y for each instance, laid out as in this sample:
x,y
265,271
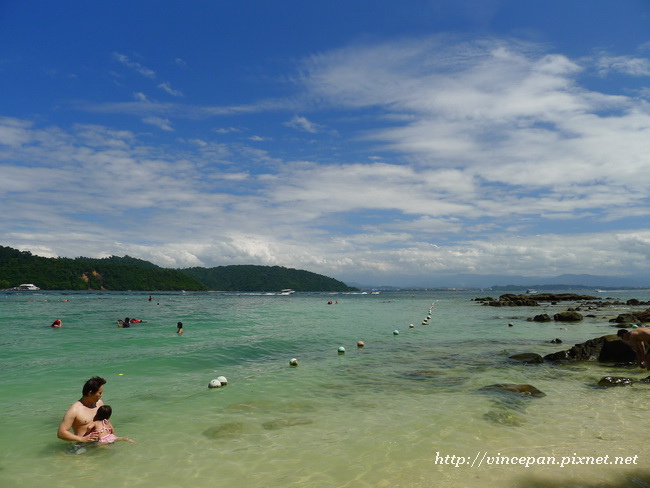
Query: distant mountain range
x,y
513,282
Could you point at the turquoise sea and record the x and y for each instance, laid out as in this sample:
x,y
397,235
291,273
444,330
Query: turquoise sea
x,y
403,411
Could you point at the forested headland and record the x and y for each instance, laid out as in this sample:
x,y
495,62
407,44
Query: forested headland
x,y
127,273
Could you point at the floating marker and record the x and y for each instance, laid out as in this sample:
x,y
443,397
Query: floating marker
x,y
341,350
360,344
293,362
396,332
222,380
214,384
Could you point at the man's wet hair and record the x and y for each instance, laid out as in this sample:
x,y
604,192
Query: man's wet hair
x,y
93,385
622,332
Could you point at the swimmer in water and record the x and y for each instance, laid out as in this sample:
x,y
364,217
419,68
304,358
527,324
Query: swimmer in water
x,y
103,427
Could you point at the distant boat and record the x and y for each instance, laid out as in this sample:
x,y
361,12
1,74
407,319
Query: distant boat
x,y
531,292
375,292
27,287
286,291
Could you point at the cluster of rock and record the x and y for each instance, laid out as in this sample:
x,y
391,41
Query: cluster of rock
x,y
512,300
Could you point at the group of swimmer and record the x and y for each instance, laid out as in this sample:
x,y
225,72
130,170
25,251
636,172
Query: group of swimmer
x,y
87,419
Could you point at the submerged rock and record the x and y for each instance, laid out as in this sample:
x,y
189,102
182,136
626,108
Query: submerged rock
x,y
282,423
608,381
522,390
504,417
527,358
224,431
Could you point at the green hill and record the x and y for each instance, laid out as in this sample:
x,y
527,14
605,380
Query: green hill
x,y
112,273
246,277
128,273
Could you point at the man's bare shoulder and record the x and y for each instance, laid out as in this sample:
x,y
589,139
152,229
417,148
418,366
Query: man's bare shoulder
x,y
642,333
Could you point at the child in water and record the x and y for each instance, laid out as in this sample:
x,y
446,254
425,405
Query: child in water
x,y
102,425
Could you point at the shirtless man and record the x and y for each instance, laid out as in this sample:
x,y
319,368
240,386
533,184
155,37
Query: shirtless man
x,y
637,339
82,412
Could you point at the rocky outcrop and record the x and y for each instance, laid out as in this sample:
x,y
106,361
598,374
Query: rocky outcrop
x,y
512,300
609,348
633,318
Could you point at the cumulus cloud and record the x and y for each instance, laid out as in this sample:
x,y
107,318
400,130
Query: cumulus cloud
x,y
485,155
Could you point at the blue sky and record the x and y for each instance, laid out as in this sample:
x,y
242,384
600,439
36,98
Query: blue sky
x,y
377,142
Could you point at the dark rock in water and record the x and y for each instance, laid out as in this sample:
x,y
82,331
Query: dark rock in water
x,y
556,341
512,300
504,417
282,423
568,316
522,390
527,358
626,318
615,381
544,317
224,431
645,380
609,348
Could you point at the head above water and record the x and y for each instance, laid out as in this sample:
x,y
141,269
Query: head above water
x,y
93,385
103,413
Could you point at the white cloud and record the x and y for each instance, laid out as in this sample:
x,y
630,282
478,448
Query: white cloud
x,y
301,123
628,65
470,144
159,122
126,61
166,87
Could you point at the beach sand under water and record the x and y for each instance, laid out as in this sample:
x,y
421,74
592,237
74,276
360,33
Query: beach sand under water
x,y
407,410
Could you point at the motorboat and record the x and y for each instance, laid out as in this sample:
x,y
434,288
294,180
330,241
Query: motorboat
x,y
287,291
27,287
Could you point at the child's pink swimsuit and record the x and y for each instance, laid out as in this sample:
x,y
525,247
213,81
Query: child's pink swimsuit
x,y
108,438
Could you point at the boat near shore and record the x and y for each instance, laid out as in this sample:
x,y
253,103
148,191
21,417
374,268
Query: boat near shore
x,y
26,287
287,291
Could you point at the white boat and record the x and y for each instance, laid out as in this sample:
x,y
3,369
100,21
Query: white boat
x,y
287,291
531,292
27,287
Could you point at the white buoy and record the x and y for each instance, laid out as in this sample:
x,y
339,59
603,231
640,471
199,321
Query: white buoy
x,y
214,384
411,326
341,350
222,380
396,332
293,362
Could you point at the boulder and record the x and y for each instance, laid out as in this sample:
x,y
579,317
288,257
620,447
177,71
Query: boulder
x,y
568,316
626,318
544,317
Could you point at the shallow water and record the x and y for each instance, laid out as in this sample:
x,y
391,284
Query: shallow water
x,y
386,415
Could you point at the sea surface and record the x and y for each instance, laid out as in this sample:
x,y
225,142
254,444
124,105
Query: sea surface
x,y
406,410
